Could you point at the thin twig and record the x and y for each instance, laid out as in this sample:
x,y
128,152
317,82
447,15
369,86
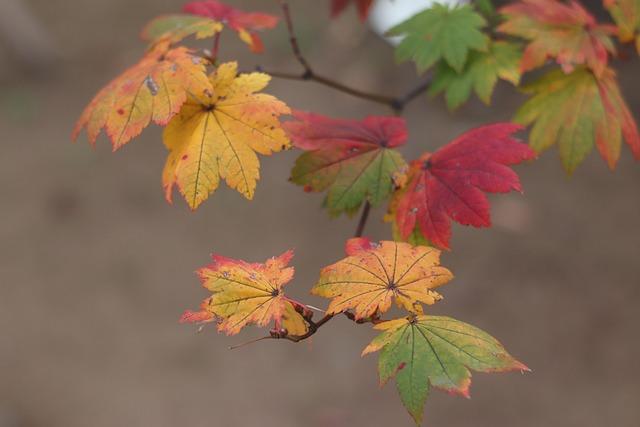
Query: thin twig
x,y
293,40
313,328
363,219
216,46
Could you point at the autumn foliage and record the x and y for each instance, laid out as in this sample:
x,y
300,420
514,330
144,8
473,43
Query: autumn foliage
x,y
219,122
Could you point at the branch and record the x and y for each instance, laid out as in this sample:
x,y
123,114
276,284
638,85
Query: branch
x,y
275,334
396,104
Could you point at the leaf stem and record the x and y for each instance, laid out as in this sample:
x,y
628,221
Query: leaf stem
x,y
364,217
396,104
216,48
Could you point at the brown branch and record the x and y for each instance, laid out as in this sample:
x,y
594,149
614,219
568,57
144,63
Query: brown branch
x,y
275,334
313,328
396,104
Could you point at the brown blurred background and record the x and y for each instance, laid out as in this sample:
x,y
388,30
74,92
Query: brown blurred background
x,y
96,268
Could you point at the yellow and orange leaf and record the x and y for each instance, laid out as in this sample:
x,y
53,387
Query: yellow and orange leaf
x,y
248,293
217,134
152,90
374,274
566,32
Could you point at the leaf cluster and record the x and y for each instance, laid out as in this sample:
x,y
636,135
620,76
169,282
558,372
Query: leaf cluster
x,y
468,52
217,120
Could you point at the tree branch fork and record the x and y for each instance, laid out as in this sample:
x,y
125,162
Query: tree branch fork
x,y
397,106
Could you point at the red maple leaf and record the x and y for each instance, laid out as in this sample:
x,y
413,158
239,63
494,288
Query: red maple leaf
x,y
448,184
246,24
339,6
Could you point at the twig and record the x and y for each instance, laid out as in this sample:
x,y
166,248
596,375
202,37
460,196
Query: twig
x,y
293,40
363,219
396,104
313,328
216,47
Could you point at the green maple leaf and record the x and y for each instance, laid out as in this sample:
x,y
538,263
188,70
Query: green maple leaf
x,y
480,74
433,351
441,32
575,111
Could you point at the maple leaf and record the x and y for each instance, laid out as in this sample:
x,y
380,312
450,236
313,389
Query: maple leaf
x,y
626,14
434,351
216,135
448,184
564,31
354,160
246,24
177,27
339,6
441,32
154,89
574,111
248,293
481,73
374,274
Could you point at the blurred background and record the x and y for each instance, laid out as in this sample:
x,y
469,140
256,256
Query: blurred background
x,y
96,268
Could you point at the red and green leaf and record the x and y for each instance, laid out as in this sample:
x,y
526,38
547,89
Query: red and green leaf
x,y
575,111
245,24
566,32
449,184
433,351
248,293
353,160
153,90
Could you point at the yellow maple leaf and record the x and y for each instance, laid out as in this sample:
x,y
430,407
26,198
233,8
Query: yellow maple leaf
x,y
373,274
217,134
154,89
248,293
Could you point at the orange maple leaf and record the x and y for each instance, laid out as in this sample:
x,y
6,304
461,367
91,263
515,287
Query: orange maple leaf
x,y
152,90
373,274
248,293
564,31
